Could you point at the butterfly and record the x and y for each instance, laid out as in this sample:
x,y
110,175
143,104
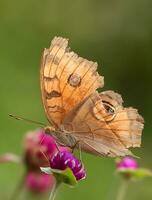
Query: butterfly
x,y
77,112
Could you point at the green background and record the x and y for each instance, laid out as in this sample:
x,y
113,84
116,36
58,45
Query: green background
x,y
117,34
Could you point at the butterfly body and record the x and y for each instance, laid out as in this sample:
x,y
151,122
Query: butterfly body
x,y
79,113
62,137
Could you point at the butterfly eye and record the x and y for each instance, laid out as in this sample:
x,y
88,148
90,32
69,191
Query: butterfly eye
x,y
109,108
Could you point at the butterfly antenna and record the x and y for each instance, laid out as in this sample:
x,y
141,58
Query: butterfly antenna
x,y
27,120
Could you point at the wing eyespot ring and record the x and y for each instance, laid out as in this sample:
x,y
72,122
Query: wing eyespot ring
x,y
74,80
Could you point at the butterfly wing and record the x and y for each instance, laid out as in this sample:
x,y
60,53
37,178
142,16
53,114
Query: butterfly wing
x,y
66,80
104,127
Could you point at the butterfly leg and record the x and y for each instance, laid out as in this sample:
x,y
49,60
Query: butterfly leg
x,y
74,146
80,152
78,145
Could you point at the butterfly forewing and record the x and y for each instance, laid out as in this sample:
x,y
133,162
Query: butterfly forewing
x,y
66,80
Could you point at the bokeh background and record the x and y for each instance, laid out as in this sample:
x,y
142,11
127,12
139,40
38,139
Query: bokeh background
x,y
117,34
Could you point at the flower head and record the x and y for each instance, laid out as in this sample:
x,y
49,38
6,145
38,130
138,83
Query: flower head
x,y
38,147
39,182
129,169
127,163
64,159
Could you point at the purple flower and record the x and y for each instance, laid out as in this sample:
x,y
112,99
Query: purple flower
x,y
39,182
64,159
127,163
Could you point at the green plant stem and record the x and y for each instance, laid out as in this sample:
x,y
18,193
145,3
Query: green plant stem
x,y
18,188
54,190
122,190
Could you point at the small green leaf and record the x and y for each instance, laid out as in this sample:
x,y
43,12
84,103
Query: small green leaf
x,y
142,173
66,176
46,170
135,174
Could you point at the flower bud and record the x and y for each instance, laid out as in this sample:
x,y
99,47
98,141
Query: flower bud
x,y
127,163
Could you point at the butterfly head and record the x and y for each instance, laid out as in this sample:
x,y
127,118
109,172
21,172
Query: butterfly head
x,y
50,130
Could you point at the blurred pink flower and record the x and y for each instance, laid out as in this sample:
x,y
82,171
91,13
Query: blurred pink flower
x,y
39,182
10,157
39,147
127,163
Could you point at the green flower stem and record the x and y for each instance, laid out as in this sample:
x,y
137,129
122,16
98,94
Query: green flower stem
x,y
122,190
54,190
18,189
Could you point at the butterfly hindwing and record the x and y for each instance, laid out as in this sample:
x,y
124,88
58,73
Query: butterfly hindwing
x,y
104,127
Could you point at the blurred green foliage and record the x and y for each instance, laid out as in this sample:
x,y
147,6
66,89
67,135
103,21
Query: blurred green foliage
x,y
117,34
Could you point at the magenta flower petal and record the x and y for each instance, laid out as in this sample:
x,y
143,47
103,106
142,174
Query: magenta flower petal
x,y
56,161
48,142
80,174
127,163
39,182
64,159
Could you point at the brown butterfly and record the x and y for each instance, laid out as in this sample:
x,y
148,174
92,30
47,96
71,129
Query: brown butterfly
x,y
80,115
